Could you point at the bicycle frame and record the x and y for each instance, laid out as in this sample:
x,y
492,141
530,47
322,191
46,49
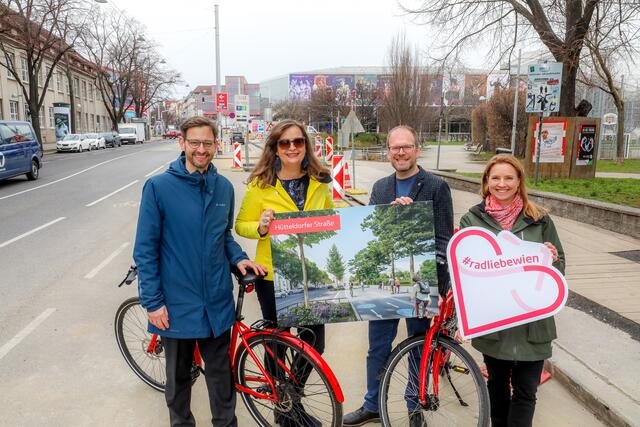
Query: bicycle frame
x,y
433,365
242,333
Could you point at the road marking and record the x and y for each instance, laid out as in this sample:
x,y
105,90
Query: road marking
x,y
26,331
112,193
107,260
156,170
392,305
377,315
69,176
28,233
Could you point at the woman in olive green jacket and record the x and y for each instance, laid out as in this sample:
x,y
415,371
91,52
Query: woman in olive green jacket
x,y
514,357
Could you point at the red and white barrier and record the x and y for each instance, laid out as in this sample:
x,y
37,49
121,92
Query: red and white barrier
x,y
347,177
237,155
337,173
328,142
318,146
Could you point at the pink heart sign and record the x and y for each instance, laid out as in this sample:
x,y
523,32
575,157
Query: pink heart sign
x,y
501,281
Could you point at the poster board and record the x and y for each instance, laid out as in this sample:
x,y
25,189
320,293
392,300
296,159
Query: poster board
x,y
351,256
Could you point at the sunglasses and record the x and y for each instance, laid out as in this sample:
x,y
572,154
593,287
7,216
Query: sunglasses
x,y
286,143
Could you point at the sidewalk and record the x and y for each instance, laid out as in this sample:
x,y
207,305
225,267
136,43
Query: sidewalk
x,y
597,362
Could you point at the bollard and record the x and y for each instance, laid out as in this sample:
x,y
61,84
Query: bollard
x,y
318,147
347,177
237,155
329,147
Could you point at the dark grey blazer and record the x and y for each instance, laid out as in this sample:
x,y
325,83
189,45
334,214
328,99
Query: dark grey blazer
x,y
427,187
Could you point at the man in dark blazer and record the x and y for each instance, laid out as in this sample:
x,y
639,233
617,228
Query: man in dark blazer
x,y
409,183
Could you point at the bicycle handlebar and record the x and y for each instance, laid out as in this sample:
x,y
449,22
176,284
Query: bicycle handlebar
x,y
244,280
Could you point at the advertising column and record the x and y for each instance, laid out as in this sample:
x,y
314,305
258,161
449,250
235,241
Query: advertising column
x,y
62,119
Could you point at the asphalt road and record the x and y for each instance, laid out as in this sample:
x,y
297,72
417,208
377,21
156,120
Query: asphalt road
x,y
65,242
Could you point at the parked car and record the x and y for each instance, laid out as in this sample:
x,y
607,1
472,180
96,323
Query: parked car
x,y
19,150
171,134
131,133
281,294
73,142
237,136
96,142
111,139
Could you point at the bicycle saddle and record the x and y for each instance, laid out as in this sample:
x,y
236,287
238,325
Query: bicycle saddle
x,y
245,279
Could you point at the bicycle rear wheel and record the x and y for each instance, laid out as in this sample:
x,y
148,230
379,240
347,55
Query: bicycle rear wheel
x,y
304,395
463,399
133,342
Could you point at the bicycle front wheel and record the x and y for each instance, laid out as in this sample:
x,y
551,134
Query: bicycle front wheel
x,y
134,344
303,394
462,398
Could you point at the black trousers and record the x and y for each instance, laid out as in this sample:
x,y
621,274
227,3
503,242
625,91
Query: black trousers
x,y
314,334
512,409
217,374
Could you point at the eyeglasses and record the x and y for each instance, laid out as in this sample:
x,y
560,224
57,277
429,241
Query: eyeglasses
x,y
195,143
286,143
405,148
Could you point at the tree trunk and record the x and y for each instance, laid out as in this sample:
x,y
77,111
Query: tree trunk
x,y
411,267
620,132
305,285
34,111
72,104
568,94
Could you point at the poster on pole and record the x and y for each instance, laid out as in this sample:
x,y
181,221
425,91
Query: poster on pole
x,y
586,143
501,281
552,143
543,87
351,264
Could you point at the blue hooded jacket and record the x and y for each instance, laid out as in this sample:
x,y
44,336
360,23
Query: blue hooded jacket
x,y
184,248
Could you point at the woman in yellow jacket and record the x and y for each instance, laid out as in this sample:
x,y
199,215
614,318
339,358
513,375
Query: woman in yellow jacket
x,y
288,177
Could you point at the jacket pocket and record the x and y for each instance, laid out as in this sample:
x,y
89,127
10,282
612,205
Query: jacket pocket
x,y
542,331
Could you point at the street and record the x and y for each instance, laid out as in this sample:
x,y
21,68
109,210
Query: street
x,y
66,242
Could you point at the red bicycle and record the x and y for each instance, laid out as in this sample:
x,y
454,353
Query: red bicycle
x,y
281,379
434,378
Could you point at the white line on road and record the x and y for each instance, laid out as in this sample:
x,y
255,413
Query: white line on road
x,y
156,170
28,233
107,260
393,305
26,331
377,315
111,194
66,177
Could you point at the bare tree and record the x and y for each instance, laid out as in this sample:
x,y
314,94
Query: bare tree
x,y
150,80
612,43
367,103
45,32
406,96
560,25
291,109
115,45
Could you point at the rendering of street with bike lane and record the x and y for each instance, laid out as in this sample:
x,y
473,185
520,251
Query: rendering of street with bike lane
x,y
60,365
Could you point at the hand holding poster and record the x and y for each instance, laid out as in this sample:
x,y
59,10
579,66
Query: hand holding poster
x,y
341,265
501,281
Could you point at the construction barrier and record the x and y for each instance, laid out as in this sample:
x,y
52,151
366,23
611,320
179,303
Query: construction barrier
x,y
237,155
318,148
337,174
328,142
348,185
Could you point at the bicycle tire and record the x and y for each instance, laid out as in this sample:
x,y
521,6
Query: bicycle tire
x,y
460,383
314,403
133,339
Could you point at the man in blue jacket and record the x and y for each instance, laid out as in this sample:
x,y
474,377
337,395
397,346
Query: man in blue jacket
x,y
407,184
183,251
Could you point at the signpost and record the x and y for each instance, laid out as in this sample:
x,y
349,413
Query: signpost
x,y
543,96
222,101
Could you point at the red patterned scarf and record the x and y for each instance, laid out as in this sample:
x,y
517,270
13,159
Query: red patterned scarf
x,y
506,215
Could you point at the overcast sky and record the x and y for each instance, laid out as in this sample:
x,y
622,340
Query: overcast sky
x,y
265,39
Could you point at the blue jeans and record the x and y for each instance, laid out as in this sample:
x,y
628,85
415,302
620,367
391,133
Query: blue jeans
x,y
381,336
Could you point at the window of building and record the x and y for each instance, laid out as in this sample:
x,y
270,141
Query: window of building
x,y
78,122
51,118
84,89
93,123
76,86
47,69
23,69
66,85
39,73
98,122
59,81
91,93
1,110
41,117
86,122
13,110
11,60
27,113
